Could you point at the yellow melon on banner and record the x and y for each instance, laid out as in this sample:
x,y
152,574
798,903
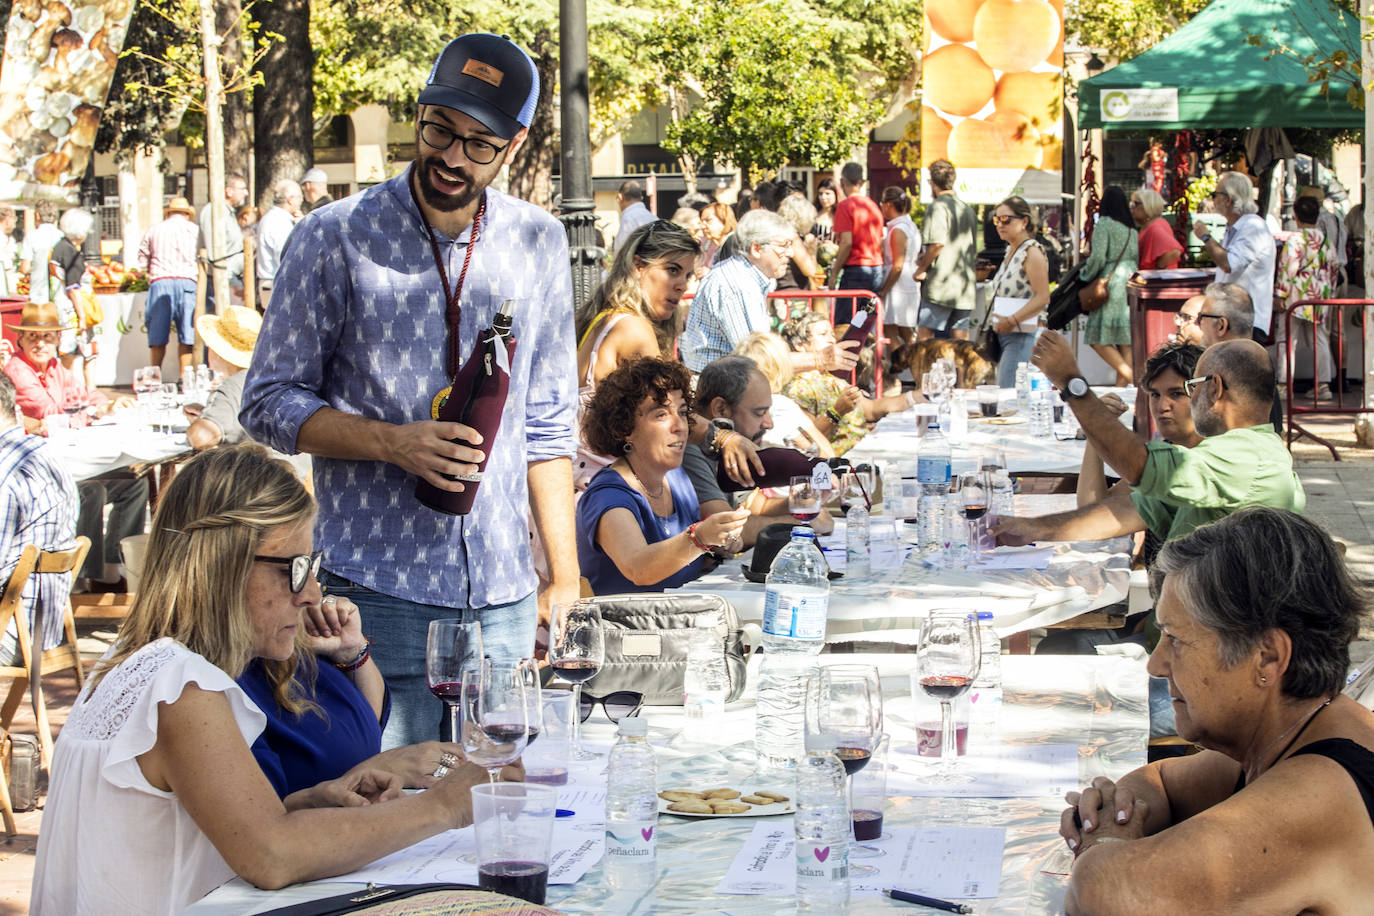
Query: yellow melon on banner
x,y
1015,35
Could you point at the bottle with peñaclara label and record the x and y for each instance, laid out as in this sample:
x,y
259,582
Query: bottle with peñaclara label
x,y
476,399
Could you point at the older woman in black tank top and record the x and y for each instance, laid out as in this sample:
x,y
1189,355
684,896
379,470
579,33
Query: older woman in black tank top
x,y
1276,814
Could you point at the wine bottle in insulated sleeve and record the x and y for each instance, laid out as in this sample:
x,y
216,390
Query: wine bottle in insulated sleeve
x,y
477,399
861,326
780,465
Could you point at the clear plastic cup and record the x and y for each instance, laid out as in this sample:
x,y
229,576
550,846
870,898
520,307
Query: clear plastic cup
x,y
514,827
546,759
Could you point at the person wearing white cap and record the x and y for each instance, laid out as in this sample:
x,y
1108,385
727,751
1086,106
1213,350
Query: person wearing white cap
x,y
315,188
388,291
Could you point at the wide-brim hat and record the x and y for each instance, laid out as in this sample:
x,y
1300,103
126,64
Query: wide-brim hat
x,y
180,205
40,316
767,546
488,78
231,334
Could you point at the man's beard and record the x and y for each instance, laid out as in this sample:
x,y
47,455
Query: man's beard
x,y
445,203
1207,421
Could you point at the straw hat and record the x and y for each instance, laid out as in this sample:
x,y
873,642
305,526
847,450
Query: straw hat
x,y
231,334
181,205
40,316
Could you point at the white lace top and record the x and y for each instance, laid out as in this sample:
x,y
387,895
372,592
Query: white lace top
x,y
111,843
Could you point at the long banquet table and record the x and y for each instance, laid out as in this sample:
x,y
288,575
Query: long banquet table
x,y
114,446
1097,704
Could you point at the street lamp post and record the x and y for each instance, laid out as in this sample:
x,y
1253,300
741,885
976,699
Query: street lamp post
x,y
578,207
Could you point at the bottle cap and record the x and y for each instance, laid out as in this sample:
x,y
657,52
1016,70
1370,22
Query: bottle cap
x,y
801,531
985,615
634,727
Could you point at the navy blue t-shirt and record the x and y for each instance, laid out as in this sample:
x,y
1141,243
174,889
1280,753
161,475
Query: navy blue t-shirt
x,y
608,490
299,752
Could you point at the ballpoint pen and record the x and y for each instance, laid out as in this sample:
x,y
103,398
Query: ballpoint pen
x,y
908,897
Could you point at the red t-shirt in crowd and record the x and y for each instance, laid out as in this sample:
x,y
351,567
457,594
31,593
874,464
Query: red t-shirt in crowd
x,y
860,217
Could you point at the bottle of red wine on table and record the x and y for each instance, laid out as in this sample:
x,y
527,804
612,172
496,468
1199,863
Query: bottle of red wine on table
x,y
476,399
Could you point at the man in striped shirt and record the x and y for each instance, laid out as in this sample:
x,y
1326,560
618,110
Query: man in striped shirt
x,y
168,253
38,505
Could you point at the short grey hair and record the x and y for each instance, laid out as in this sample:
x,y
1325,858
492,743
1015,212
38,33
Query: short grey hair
x,y
1232,302
759,227
284,190
1298,584
76,224
1151,204
799,212
797,331
727,378
1237,187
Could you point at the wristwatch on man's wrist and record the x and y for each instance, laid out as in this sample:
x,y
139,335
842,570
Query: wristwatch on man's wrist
x,y
1077,387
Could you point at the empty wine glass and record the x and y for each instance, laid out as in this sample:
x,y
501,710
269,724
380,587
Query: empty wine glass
x,y
577,649
804,500
844,715
451,647
495,719
947,658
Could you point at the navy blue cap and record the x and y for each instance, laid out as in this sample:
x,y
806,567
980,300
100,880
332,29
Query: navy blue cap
x,y
488,78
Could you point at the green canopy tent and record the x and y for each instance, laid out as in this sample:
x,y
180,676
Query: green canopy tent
x,y
1208,74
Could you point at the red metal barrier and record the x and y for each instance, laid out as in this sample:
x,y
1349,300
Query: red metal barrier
x,y
1338,406
879,341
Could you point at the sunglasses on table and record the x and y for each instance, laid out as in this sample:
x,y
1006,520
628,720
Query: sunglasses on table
x,y
303,567
619,705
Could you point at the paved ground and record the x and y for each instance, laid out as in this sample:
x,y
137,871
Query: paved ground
x,y
1340,495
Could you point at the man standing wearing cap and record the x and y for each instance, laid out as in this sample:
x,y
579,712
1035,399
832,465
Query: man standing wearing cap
x,y
168,254
380,284
315,189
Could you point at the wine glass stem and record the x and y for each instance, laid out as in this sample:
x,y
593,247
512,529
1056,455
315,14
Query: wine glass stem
x,y
948,750
492,773
849,789
577,719
455,728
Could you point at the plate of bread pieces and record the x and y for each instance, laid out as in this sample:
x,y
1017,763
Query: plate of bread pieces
x,y
723,802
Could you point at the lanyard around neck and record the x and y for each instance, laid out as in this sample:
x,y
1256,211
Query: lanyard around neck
x,y
453,309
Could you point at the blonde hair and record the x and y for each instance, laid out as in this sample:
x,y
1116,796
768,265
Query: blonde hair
x,y
723,213
656,243
771,356
1151,204
210,522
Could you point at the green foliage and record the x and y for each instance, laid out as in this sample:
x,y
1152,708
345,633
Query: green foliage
x,y
1124,28
777,85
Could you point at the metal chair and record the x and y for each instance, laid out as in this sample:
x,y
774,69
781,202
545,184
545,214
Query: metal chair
x,y
28,675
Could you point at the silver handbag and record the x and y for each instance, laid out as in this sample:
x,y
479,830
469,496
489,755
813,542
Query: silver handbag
x,y
646,644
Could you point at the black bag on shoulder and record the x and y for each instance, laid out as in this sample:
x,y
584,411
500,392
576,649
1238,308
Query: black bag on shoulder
x,y
1064,304
646,644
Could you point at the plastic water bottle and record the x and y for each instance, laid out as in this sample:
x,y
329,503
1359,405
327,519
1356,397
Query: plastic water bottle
x,y
705,684
1041,414
933,476
822,833
891,476
856,541
1003,494
956,535
911,490
796,598
958,416
631,809
1023,388
985,696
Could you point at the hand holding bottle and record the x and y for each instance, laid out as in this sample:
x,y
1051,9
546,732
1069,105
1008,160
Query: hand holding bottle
x,y
424,449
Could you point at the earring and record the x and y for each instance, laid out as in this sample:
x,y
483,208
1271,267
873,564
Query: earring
x,y
629,447
1264,680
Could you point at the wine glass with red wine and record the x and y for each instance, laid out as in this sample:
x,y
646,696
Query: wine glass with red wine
x,y
534,699
803,500
495,718
451,647
947,659
974,492
844,715
577,649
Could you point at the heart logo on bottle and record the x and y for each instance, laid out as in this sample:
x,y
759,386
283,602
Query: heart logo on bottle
x,y
647,833
822,854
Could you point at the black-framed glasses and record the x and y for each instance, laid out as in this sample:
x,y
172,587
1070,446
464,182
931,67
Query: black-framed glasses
x,y
476,149
1193,384
619,705
1202,315
303,567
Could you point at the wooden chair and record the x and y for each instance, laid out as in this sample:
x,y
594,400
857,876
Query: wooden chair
x,y
29,674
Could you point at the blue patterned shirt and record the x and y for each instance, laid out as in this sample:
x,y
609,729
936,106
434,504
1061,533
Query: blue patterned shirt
x,y
357,323
38,505
731,304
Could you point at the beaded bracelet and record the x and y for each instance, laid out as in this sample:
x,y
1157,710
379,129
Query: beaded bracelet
x,y
358,662
696,542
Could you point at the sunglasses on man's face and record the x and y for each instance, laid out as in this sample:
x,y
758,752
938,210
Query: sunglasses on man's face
x,y
619,705
303,567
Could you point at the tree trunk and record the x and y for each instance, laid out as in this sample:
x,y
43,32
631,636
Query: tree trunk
x,y
283,106
238,142
531,171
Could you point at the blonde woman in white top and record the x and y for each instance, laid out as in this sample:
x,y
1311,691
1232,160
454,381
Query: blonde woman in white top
x,y
155,797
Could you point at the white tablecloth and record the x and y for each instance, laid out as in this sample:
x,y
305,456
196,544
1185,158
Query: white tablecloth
x,y
1098,704
895,439
99,449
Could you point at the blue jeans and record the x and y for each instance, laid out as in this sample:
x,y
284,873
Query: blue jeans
x,y
171,302
1016,349
398,629
856,277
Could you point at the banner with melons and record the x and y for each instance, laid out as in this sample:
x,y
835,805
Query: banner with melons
x,y
59,60
993,97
